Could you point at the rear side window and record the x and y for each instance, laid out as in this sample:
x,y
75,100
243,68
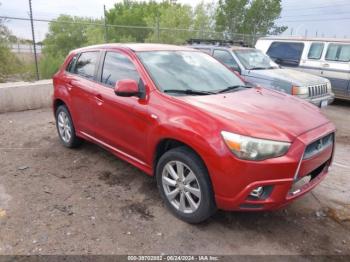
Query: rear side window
x,y
286,53
86,65
338,52
315,51
118,67
71,65
225,58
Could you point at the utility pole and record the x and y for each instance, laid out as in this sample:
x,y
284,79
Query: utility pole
x,y
33,36
105,23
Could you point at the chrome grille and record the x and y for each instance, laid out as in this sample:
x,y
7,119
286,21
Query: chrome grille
x,y
318,90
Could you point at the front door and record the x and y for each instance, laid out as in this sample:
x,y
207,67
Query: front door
x,y
122,122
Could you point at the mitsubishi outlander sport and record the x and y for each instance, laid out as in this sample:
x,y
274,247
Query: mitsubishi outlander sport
x,y
180,115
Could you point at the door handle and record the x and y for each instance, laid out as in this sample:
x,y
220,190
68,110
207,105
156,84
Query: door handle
x,y
69,85
325,65
99,99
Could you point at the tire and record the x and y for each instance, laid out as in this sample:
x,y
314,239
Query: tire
x,y
65,128
191,198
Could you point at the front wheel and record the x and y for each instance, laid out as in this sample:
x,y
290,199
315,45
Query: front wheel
x,y
184,185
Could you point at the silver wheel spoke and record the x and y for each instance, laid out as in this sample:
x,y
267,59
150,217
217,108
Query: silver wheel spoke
x,y
171,195
189,178
190,200
194,191
168,181
60,118
182,205
171,171
180,169
182,192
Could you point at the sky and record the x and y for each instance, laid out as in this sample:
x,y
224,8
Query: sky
x,y
328,18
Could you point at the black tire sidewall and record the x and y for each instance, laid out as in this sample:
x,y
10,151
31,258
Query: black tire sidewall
x,y
207,204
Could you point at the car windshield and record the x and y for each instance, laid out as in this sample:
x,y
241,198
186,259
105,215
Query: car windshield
x,y
253,59
188,72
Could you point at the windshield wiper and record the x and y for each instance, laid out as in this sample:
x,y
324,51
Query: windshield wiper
x,y
188,92
230,88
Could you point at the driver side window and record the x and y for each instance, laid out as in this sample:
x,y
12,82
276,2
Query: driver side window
x,y
117,67
226,58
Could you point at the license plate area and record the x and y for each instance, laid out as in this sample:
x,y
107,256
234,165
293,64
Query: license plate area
x,y
324,104
304,182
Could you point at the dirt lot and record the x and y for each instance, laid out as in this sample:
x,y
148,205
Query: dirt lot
x,y
86,201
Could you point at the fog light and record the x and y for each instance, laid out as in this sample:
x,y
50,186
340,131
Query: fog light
x,y
257,192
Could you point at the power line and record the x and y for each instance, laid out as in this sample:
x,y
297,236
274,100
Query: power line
x,y
318,7
318,14
316,20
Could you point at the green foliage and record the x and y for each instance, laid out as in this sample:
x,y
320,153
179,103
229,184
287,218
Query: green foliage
x,y
9,63
65,34
173,18
130,13
248,17
162,22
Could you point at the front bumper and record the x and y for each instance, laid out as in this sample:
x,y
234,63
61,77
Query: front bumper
x,y
232,188
317,101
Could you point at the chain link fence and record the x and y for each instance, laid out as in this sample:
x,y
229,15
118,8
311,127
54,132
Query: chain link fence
x,y
98,33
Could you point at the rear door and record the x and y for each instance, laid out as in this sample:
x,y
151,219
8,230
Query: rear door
x,y
81,83
336,67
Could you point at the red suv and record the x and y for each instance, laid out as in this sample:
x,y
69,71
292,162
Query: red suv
x,y
183,117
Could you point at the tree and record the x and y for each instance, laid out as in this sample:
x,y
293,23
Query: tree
x,y
261,15
249,16
204,20
173,22
9,63
230,16
130,14
65,34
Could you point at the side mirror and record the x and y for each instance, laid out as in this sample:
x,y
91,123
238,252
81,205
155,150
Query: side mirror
x,y
127,88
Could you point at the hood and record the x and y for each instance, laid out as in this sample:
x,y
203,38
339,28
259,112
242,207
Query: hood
x,y
260,113
289,75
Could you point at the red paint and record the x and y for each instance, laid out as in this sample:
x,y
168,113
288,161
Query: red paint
x,y
131,128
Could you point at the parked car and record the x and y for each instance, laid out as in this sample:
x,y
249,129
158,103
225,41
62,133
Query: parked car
x,y
181,116
329,58
257,68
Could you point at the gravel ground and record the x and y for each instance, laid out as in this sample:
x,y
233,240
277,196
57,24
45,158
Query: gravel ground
x,y
85,201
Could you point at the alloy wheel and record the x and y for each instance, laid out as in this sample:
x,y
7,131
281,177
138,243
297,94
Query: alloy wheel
x,y
181,187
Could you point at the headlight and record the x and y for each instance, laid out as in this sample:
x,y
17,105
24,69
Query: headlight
x,y
299,90
249,148
329,87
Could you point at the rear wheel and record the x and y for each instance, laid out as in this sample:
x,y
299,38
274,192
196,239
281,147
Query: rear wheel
x,y
184,185
65,128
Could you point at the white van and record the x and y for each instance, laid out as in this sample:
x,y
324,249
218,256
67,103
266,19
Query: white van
x,y
329,58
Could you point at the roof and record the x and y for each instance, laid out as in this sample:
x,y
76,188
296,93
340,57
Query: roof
x,y
138,47
302,38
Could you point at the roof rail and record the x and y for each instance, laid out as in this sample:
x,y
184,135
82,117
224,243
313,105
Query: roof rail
x,y
217,42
